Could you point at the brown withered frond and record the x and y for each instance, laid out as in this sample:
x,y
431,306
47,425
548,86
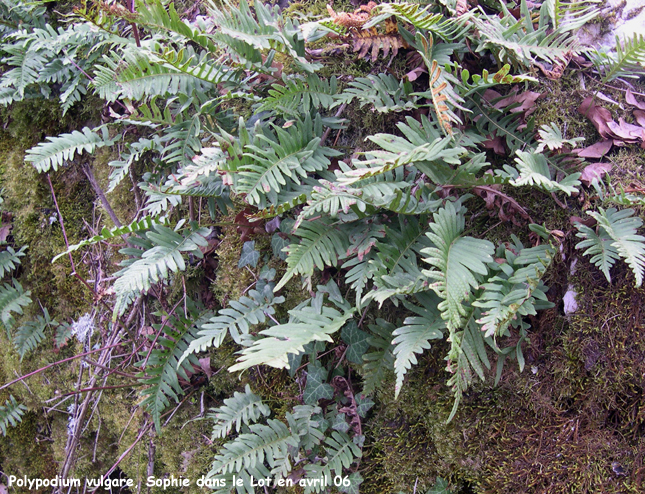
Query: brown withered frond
x,y
354,20
439,99
372,42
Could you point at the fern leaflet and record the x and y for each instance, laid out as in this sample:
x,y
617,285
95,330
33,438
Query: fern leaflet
x,y
11,414
242,408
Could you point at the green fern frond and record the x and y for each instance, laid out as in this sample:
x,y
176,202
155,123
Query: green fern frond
x,y
242,408
384,92
249,450
457,262
569,16
534,170
305,325
414,336
486,80
235,320
30,334
11,414
57,150
628,61
616,238
12,299
143,224
164,256
286,158
378,363
298,95
321,244
341,451
448,29
10,259
162,370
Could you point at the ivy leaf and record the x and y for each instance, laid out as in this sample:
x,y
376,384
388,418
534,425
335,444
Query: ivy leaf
x,y
355,480
250,256
340,423
440,487
277,244
316,388
356,341
363,405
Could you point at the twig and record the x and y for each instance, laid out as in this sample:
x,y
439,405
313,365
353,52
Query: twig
x,y
341,109
87,170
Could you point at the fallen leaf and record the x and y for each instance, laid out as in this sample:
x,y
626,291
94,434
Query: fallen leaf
x,y
591,221
4,232
205,364
597,150
598,115
496,144
639,115
526,101
626,131
631,99
594,171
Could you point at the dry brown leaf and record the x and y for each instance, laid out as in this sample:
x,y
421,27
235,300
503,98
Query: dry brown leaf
x,y
4,232
639,115
626,131
631,99
597,150
369,41
496,144
508,209
354,20
594,171
598,115
205,364
526,101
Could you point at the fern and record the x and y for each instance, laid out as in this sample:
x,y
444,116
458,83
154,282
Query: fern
x,y
12,300
616,238
457,261
627,62
11,414
162,370
164,255
383,91
534,170
106,234
235,320
413,337
242,408
378,363
30,334
305,325
298,95
249,450
321,244
10,259
341,453
417,15
569,16
58,150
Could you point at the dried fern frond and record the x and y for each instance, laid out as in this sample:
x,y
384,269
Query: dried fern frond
x,y
371,42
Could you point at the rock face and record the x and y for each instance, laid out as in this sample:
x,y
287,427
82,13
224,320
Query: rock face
x,y
622,18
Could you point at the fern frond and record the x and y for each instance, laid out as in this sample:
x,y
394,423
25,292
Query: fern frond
x,y
384,91
57,150
143,224
448,29
307,421
284,158
378,363
321,244
11,414
162,370
341,451
30,334
10,259
12,299
486,80
414,336
534,170
616,238
235,320
242,408
262,443
305,325
164,256
569,16
457,262
628,61
298,95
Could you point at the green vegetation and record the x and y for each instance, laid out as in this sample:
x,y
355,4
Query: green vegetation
x,y
349,253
